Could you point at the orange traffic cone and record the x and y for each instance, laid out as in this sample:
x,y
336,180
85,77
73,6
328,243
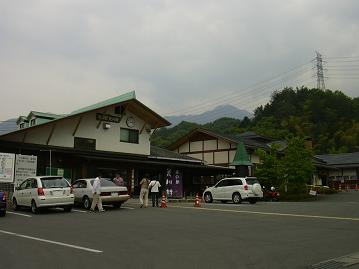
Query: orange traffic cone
x,y
197,201
163,201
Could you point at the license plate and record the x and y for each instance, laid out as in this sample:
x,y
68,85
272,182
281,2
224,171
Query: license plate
x,y
114,194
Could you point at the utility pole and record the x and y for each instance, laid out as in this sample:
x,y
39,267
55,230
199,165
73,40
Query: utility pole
x,y
320,75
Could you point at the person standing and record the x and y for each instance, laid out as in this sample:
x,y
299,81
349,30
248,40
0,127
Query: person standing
x,y
144,191
96,200
118,180
154,186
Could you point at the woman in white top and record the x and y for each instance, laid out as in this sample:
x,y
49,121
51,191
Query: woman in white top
x,y
154,185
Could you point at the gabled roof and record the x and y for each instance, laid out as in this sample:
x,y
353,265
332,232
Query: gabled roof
x,y
127,99
161,153
341,160
23,118
44,115
109,102
250,139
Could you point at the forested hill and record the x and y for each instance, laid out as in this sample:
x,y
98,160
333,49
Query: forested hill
x,y
330,118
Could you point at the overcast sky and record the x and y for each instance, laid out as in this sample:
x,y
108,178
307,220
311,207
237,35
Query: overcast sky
x,y
179,56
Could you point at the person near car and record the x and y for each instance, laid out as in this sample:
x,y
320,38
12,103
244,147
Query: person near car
x,y
96,201
144,191
154,187
118,180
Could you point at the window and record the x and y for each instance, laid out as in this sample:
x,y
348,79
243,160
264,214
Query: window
x,y
32,122
54,182
222,183
84,143
129,136
119,110
22,125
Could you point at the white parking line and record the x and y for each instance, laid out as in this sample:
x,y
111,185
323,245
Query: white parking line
x,y
19,214
126,207
268,213
51,242
81,211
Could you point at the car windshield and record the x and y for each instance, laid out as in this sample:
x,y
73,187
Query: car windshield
x,y
251,180
105,182
54,182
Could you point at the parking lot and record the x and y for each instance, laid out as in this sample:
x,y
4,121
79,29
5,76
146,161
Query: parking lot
x,y
264,235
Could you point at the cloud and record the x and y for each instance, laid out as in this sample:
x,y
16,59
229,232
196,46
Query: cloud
x,y
61,55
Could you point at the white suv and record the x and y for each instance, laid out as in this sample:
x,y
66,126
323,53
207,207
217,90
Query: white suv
x,y
235,189
46,191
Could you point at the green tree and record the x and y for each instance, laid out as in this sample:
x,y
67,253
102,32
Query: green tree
x,y
297,166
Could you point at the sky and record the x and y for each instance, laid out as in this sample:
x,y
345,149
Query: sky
x,y
181,57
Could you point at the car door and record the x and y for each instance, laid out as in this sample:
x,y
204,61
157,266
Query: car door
x,y
219,189
19,195
30,191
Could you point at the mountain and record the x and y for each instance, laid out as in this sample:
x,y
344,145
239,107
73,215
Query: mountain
x,y
228,111
8,126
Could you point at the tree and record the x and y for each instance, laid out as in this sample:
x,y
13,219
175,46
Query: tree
x,y
297,166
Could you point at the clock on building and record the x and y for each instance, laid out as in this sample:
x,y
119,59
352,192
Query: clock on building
x,y
130,122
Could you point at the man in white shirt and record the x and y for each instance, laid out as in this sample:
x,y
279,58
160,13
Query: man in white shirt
x,y
96,200
154,185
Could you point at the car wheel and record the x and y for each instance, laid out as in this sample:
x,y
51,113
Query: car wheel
x,y
117,205
34,208
252,201
208,197
236,198
86,202
15,207
67,208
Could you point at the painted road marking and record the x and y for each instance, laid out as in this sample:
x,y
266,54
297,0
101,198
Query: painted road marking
x,y
126,207
19,214
268,213
51,242
77,210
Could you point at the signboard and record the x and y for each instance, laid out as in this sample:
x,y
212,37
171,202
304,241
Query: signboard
x,y
25,167
7,162
174,183
108,118
312,192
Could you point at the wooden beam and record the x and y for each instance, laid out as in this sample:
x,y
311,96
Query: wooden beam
x,y
24,137
50,135
77,125
143,127
100,121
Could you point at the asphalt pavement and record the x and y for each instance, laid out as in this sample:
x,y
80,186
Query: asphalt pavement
x,y
264,235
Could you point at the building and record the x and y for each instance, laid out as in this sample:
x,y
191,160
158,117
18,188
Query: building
x,y
343,170
109,137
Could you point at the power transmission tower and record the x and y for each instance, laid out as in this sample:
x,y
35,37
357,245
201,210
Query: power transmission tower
x,y
320,74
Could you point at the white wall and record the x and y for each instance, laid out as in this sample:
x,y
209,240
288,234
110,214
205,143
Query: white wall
x,y
210,144
196,146
221,157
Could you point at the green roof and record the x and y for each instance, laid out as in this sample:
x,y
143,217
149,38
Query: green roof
x,y
46,115
241,157
118,99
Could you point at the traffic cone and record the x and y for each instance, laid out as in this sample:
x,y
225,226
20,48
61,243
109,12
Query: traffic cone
x,y
163,201
197,201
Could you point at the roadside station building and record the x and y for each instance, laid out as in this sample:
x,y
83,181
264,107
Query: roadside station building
x,y
108,137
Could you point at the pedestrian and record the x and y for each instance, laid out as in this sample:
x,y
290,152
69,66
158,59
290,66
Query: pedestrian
x,y
118,180
144,190
154,185
96,200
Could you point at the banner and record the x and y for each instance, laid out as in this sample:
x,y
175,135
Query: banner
x,y
25,167
7,162
174,184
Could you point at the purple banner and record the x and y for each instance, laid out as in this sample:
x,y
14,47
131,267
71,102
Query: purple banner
x,y
174,184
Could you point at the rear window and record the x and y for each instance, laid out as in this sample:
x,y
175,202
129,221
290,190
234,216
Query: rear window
x,y
54,182
105,182
251,180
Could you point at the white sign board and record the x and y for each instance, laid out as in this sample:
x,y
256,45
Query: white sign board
x,y
7,163
25,167
313,193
